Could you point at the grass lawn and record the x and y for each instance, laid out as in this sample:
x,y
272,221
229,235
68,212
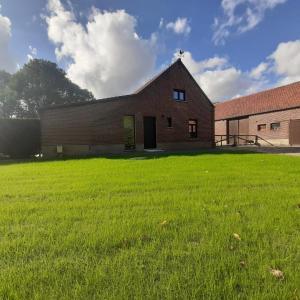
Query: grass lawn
x,y
159,228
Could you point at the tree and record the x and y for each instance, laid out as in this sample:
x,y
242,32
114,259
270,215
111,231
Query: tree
x,y
41,83
9,105
4,79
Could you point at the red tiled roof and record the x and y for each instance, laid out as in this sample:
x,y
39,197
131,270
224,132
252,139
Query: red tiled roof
x,y
280,98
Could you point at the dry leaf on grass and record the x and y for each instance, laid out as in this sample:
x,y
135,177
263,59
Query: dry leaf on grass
x,y
277,273
236,236
242,263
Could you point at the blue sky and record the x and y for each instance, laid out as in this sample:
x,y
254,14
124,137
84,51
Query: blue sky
x,y
233,47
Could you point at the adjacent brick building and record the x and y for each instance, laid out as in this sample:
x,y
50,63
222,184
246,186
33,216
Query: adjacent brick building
x,y
273,115
170,112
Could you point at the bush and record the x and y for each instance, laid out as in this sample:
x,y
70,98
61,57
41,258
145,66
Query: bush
x,y
20,138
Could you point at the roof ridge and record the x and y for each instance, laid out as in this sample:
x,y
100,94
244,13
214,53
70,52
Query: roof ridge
x,y
148,82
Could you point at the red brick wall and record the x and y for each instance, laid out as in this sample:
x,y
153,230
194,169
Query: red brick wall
x,y
220,127
282,116
102,123
282,133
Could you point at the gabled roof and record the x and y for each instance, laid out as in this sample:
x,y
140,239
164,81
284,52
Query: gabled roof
x,y
280,98
148,83
153,79
121,98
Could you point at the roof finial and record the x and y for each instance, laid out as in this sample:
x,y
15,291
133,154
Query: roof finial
x,y
181,54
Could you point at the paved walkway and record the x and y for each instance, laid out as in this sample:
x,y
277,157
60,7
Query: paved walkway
x,y
294,151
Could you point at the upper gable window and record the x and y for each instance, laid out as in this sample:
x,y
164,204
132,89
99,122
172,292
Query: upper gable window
x,y
179,95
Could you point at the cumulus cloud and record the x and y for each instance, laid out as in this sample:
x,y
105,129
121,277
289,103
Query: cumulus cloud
x,y
241,16
283,64
286,61
180,26
106,55
219,79
259,71
7,62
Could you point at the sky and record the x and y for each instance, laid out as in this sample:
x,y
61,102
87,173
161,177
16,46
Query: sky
x,y
111,47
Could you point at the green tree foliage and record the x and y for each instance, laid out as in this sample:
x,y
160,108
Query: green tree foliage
x,y
9,105
38,84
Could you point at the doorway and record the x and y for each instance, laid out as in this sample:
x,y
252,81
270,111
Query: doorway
x,y
294,132
149,132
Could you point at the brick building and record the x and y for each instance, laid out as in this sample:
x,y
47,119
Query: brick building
x,y
170,112
273,115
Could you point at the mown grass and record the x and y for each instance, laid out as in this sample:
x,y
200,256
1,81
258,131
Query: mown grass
x,y
159,228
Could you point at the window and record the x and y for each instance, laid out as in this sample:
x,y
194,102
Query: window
x,y
179,95
275,126
193,128
169,120
261,127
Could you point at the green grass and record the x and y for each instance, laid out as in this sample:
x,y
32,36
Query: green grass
x,y
159,228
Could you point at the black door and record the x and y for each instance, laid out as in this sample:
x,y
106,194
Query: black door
x,y
149,132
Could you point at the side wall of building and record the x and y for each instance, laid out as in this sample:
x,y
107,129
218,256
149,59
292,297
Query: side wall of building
x,y
278,136
220,127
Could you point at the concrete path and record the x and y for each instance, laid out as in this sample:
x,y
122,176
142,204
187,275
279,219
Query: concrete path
x,y
293,151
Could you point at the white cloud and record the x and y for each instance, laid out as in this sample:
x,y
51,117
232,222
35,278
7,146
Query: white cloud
x,y
161,23
6,59
286,61
32,53
107,56
259,71
200,66
283,64
219,79
241,16
180,26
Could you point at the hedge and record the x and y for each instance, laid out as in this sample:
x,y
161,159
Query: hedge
x,y
20,138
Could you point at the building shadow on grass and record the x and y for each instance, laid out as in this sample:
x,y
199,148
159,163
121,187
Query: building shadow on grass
x,y
132,155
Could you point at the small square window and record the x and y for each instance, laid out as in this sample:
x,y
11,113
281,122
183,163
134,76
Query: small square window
x,y
193,128
261,127
275,126
169,120
179,95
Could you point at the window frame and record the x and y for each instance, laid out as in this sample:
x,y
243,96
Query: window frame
x,y
193,128
277,126
261,127
177,93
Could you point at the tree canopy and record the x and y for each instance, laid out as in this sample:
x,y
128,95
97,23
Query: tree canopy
x,y
8,97
38,84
